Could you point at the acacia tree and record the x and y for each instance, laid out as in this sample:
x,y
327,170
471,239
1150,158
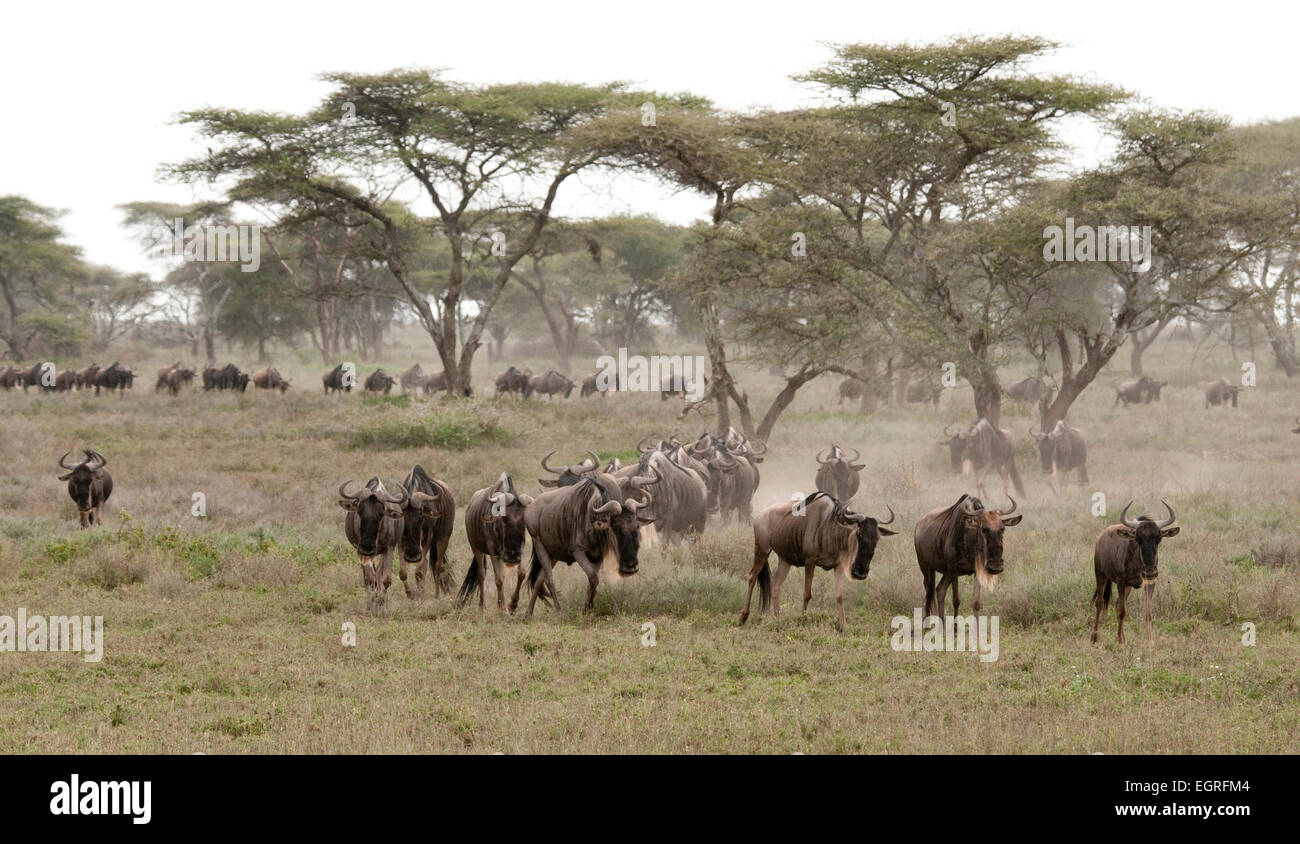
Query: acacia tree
x,y
471,152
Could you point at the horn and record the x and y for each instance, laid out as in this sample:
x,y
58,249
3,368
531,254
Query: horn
x,y
1008,512
756,452
856,454
419,499
611,507
547,466
505,497
595,463
819,458
850,516
641,447
1169,521
64,465
391,499
945,430
892,516
343,493
642,483
1037,436
1123,516
632,505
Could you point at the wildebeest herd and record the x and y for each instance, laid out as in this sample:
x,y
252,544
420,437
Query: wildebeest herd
x,y
598,516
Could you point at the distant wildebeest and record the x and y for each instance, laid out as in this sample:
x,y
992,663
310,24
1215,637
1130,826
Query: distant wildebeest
x,y
592,384
413,379
837,474
551,383
822,533
515,381
162,376
89,485
680,495
1296,430
428,517
269,379
1027,390
981,448
1142,390
11,377
1126,555
337,379
675,383
494,526
958,540
374,527
114,377
177,378
733,477
1221,392
919,392
379,381
590,523
851,388
1062,449
39,375
569,475
65,380
86,377
438,384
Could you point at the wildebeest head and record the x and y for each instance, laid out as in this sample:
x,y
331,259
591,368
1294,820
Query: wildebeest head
x,y
568,475
982,534
506,516
1147,533
416,510
956,447
869,530
838,474
621,519
81,478
371,504
1047,444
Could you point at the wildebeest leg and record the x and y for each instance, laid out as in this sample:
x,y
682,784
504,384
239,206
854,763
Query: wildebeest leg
x,y
370,579
782,569
401,575
839,594
756,575
1100,603
807,586
927,577
1149,589
519,582
956,595
941,594
593,578
498,574
386,574
544,581
1119,609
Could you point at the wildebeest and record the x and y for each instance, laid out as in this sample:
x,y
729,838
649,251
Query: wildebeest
x,y
961,539
981,448
162,375
591,384
569,475
1027,390
374,527
413,378
269,379
40,375
551,383
89,485
1142,390
177,377
494,526
827,535
428,517
680,495
379,381
731,479
1062,449
86,377
1126,555
837,474
65,380
589,523
851,388
114,377
515,381
337,379
1221,392
227,377
11,377
438,383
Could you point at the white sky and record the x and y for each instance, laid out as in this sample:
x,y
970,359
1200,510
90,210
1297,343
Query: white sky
x,y
90,87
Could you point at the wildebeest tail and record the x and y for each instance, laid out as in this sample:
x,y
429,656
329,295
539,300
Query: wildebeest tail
x,y
1015,477
473,582
1105,595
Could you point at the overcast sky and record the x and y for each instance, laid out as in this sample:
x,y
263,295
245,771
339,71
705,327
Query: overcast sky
x,y
91,88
